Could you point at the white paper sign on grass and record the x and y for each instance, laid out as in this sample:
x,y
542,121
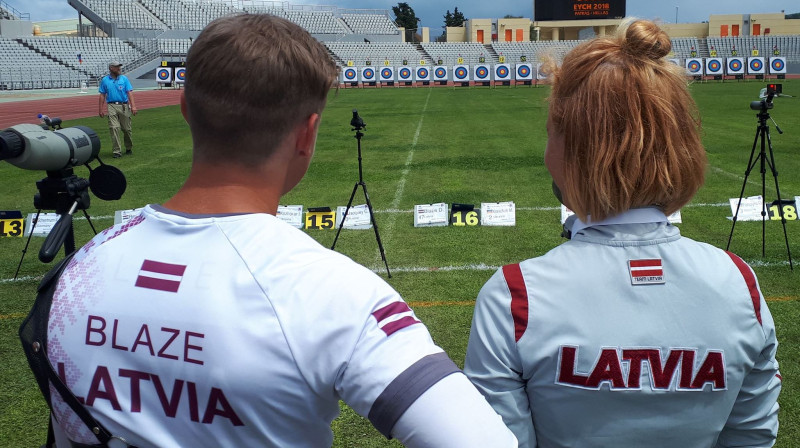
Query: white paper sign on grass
x,y
43,226
749,210
357,217
498,214
430,215
291,214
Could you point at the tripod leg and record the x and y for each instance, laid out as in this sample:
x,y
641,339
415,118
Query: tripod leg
x,y
25,249
346,210
375,226
771,163
763,192
750,165
86,214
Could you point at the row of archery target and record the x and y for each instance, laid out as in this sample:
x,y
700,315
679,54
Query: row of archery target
x,y
168,75
755,65
458,73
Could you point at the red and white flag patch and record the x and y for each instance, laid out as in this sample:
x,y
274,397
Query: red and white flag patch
x,y
160,276
394,316
646,272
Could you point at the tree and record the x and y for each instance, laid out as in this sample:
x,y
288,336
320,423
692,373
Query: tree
x,y
405,17
456,18
511,16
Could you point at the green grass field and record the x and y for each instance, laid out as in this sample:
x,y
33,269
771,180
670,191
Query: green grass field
x,y
424,146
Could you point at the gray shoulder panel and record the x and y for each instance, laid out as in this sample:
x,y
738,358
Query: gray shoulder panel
x,y
404,390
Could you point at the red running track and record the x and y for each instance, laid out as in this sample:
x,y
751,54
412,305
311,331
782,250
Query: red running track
x,y
71,108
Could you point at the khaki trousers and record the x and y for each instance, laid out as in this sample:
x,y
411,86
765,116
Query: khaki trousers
x,y
119,118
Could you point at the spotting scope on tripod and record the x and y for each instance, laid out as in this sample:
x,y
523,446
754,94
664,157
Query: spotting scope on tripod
x,y
57,151
357,124
766,159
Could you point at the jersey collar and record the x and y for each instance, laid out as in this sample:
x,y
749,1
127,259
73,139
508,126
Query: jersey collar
x,y
633,216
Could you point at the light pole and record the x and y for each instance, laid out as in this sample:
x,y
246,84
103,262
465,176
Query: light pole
x,y
676,14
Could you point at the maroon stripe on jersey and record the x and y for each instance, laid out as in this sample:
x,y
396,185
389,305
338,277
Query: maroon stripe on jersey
x,y
519,298
399,324
645,263
779,376
390,310
750,279
157,283
648,273
163,268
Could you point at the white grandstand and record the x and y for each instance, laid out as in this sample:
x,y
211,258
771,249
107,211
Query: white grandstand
x,y
144,32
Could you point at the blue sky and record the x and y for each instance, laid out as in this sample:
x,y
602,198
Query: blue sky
x,y
431,12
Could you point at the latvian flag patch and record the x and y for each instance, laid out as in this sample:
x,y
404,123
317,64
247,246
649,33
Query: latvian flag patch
x,y
160,276
394,317
646,272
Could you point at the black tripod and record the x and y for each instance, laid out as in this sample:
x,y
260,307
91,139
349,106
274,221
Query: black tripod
x,y
358,124
65,193
762,133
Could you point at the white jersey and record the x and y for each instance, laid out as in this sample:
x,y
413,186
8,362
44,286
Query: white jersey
x,y
188,330
628,335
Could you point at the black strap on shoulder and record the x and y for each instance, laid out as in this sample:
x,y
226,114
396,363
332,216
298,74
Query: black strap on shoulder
x,y
33,334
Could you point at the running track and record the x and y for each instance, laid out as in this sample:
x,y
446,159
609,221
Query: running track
x,y
71,108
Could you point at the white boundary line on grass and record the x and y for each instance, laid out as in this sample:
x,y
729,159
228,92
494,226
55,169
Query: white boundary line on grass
x,y
401,184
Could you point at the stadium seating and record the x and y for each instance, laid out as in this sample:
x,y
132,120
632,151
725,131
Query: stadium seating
x,y
95,52
449,52
125,14
187,15
377,53
533,51
23,68
367,23
788,46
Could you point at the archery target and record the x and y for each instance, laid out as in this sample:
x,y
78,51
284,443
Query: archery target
x,y
423,74
524,72
461,73
502,72
482,73
164,75
350,75
540,74
694,66
777,65
387,74
404,74
735,66
675,61
368,74
714,66
440,73
755,66
180,75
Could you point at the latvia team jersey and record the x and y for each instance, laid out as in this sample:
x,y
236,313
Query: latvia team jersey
x,y
628,335
181,330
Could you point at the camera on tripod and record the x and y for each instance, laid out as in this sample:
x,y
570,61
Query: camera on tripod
x,y
767,94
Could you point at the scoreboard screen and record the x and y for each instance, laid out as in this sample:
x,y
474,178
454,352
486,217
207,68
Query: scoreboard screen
x,y
546,10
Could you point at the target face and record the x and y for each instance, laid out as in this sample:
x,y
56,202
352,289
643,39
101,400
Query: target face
x,y
386,73
350,74
693,66
181,74
461,73
481,72
502,71
164,74
714,66
405,73
422,73
756,65
368,74
523,71
735,65
440,72
777,65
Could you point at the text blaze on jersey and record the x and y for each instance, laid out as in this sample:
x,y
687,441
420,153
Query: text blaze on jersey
x,y
664,371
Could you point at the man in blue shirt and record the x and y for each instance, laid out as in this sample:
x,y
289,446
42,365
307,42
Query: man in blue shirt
x,y
116,101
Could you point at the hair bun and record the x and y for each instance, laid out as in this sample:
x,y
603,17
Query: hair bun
x,y
644,39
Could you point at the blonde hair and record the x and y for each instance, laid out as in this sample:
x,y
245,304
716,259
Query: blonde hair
x,y
251,78
631,129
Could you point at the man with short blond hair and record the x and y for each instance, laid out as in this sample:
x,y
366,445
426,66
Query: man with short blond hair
x,y
116,101
207,321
